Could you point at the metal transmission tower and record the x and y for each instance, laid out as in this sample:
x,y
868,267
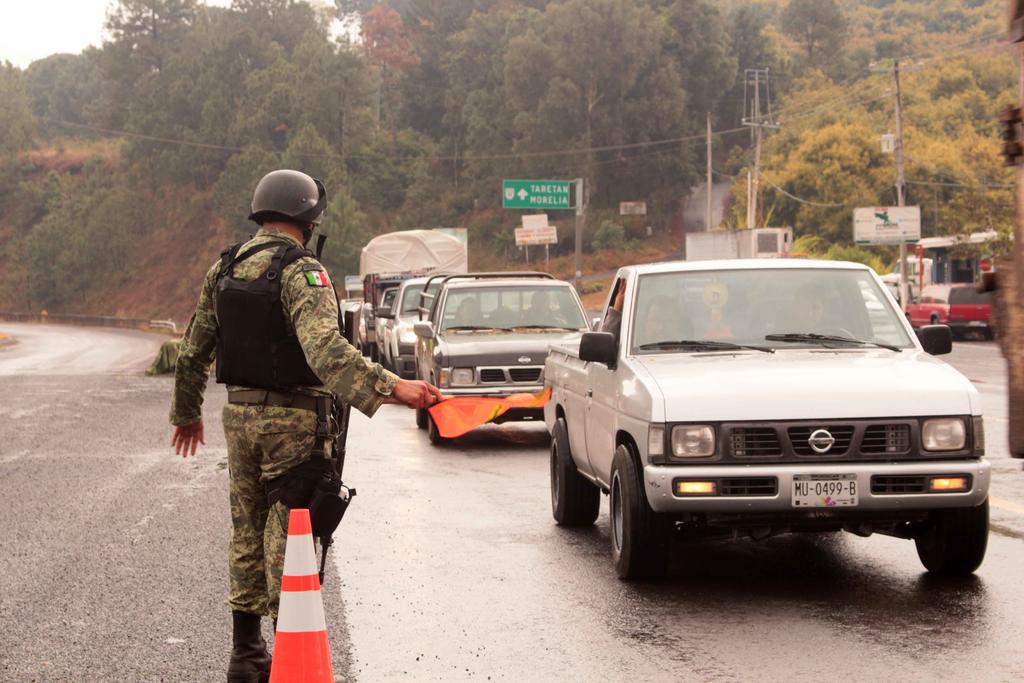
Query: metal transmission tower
x,y
757,108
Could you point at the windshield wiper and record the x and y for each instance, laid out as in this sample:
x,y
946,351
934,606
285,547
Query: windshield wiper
x,y
477,328
703,344
814,337
546,327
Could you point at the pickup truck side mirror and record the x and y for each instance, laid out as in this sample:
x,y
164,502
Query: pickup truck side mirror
x,y
599,347
423,329
936,339
384,312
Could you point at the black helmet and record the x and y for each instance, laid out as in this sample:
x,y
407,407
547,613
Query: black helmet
x,y
288,195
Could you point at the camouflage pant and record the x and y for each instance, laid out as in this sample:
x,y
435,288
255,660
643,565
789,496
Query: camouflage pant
x,y
263,443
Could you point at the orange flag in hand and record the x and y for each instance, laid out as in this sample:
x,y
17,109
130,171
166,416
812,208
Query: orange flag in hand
x,y
461,414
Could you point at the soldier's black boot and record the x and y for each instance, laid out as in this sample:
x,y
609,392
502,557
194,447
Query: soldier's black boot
x,y
250,662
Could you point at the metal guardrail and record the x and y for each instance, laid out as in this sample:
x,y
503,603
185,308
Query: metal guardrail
x,y
91,321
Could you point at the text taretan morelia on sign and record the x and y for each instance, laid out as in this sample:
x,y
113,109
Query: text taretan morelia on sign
x,y
536,194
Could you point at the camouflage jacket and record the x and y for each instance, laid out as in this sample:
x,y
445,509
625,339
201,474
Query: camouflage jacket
x,y
311,311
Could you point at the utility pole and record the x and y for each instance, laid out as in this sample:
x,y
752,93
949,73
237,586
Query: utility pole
x,y
901,189
580,215
758,118
707,207
1009,278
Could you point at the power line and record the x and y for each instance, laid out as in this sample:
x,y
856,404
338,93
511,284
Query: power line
x,y
467,157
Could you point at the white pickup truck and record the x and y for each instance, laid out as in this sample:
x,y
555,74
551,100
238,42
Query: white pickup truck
x,y
760,397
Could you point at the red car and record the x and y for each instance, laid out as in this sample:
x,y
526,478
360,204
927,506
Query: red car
x,y
962,307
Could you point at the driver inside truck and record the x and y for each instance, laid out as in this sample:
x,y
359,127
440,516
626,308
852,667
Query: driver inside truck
x,y
806,312
468,313
660,321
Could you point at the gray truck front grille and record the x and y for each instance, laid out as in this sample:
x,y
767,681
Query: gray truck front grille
x,y
524,374
492,375
516,375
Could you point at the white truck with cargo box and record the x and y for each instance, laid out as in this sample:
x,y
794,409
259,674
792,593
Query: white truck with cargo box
x,y
388,259
758,397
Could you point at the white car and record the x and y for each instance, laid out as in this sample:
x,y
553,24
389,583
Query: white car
x,y
756,397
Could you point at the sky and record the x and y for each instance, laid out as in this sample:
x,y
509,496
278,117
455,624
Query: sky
x,y
31,29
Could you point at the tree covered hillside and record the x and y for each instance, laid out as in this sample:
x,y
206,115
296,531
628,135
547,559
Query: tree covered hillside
x,y
125,169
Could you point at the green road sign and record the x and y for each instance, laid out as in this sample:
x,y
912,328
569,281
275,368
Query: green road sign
x,y
536,194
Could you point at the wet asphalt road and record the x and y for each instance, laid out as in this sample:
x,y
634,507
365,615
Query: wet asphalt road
x,y
449,566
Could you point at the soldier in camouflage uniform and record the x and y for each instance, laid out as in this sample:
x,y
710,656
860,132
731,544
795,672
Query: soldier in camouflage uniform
x,y
270,431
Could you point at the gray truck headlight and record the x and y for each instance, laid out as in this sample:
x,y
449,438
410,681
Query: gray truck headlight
x,y
693,441
463,376
944,434
406,335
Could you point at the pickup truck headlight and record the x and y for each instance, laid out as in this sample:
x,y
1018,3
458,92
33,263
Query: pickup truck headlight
x,y
463,376
693,441
944,434
406,335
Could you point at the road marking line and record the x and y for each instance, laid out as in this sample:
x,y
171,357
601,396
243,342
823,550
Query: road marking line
x,y
1004,504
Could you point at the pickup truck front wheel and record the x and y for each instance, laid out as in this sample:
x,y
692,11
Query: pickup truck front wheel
x,y
433,435
574,500
640,536
954,541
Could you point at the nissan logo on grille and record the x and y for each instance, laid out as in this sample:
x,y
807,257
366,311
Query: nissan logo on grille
x,y
524,359
821,441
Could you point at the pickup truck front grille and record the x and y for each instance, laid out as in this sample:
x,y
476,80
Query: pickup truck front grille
x,y
755,442
800,436
492,376
530,375
882,439
516,375
896,484
855,440
749,486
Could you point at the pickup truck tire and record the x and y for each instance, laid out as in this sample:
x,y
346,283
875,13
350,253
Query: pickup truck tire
x,y
421,418
640,536
954,541
574,500
433,435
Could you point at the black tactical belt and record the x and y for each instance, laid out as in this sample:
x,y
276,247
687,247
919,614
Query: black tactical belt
x,y
275,399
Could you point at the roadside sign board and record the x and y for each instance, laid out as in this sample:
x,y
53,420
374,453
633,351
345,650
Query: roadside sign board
x,y
887,225
528,237
353,283
537,220
536,194
632,208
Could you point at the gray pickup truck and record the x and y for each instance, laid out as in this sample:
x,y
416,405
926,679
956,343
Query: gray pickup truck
x,y
488,334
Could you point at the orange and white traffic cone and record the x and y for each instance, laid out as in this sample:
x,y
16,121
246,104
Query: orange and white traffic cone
x,y
301,651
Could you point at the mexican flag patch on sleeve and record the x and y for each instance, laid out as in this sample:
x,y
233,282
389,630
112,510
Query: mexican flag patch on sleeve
x,y
317,278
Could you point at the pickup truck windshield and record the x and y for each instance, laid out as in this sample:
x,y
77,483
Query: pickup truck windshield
x,y
747,306
411,298
551,308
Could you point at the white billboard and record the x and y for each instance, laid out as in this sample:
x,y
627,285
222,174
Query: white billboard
x,y
887,225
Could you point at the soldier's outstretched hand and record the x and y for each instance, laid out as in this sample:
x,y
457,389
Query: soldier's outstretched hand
x,y
416,394
186,439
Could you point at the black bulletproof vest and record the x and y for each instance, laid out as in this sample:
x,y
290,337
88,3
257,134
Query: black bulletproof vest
x,y
254,345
